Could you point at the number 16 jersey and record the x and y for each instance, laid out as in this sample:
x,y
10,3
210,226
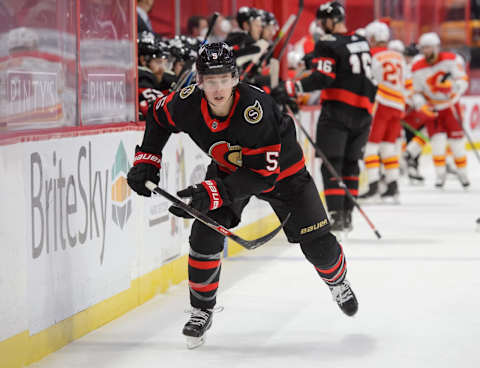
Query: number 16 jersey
x,y
342,70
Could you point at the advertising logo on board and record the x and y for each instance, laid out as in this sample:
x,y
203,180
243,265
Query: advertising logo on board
x,y
121,192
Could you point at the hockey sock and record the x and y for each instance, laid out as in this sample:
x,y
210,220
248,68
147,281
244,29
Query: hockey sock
x,y
203,275
439,143
326,255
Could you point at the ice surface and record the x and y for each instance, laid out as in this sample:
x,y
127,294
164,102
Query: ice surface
x,y
418,290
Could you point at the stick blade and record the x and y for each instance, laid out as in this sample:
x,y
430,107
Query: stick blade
x,y
255,243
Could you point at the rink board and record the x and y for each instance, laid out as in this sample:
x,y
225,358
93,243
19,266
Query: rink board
x,y
79,249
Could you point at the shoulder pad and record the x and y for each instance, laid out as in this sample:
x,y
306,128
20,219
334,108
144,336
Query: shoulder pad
x,y
328,37
255,87
253,114
187,91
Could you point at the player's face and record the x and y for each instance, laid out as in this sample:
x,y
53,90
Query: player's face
x,y
218,88
327,25
430,53
158,65
256,28
268,32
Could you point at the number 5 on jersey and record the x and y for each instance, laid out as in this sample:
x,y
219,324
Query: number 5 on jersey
x,y
272,160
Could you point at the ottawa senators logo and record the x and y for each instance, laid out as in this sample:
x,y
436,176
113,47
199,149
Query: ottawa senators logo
x,y
187,91
225,155
253,113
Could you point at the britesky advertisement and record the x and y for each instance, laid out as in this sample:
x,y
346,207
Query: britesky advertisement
x,y
80,237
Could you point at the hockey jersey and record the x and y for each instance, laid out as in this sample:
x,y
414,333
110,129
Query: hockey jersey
x,y
254,147
342,70
441,83
389,69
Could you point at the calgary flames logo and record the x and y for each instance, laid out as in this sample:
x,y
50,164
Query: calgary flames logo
x,y
253,113
440,83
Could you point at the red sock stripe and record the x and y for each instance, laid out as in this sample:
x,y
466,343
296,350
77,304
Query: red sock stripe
x,y
334,191
203,288
334,267
203,265
338,275
354,192
352,178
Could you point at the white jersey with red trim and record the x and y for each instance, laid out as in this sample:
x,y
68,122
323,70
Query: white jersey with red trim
x,y
389,69
440,84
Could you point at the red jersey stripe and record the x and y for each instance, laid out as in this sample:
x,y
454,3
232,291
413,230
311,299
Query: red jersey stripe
x,y
350,98
257,151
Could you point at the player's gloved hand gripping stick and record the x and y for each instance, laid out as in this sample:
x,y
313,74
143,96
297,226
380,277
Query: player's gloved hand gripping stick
x,y
212,224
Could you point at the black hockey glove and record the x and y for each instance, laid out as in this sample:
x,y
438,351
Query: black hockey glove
x,y
206,196
146,166
286,93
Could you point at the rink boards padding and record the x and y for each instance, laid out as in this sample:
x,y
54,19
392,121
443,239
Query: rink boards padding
x,y
79,248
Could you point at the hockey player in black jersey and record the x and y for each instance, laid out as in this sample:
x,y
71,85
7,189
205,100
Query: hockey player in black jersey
x,y
341,69
254,152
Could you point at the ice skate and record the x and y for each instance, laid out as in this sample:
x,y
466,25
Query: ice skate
x,y
440,181
337,224
391,194
345,298
197,326
412,169
462,177
372,195
348,224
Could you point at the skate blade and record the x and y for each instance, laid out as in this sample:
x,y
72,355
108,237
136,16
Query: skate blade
x,y
195,342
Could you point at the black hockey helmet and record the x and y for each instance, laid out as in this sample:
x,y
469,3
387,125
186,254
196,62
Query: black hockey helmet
x,y
246,14
411,50
216,58
333,10
151,46
268,18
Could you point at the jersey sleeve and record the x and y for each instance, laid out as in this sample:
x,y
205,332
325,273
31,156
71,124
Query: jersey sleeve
x,y
160,123
460,77
324,66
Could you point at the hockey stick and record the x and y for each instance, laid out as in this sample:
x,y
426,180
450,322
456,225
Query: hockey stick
x,y
291,19
290,32
334,173
212,224
414,131
467,134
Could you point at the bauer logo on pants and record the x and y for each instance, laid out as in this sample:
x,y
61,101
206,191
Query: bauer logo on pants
x,y
254,113
311,228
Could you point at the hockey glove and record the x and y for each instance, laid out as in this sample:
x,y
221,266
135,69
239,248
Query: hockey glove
x,y
285,94
206,196
146,166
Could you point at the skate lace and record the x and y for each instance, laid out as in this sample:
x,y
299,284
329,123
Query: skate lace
x,y
199,317
342,293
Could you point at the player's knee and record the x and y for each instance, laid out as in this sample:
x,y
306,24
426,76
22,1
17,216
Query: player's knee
x,y
323,250
205,240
